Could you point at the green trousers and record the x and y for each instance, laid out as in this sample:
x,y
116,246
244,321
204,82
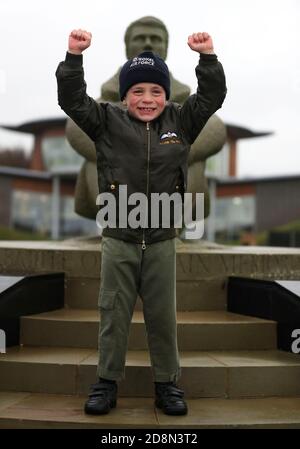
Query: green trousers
x,y
126,271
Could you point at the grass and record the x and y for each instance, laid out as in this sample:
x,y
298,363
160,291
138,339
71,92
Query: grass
x,y
262,238
16,234
291,226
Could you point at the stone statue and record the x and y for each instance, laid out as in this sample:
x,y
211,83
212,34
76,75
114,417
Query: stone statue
x,y
147,33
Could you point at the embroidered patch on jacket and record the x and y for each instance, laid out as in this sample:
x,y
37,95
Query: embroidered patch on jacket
x,y
168,138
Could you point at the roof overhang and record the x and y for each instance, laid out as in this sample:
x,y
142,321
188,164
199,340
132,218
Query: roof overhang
x,y
37,126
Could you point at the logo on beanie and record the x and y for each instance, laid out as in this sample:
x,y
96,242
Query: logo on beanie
x,y
169,137
142,61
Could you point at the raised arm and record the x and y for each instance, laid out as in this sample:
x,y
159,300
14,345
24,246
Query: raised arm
x,y
72,96
211,90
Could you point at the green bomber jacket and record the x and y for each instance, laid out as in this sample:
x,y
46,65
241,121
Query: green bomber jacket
x,y
145,157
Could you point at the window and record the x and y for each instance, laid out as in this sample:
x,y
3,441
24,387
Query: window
x,y
218,164
58,153
235,213
32,211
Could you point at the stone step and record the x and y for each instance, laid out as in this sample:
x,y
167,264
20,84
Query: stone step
x,y
223,374
206,294
208,330
42,411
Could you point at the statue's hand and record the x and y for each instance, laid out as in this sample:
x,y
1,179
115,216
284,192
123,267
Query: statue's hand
x,y
79,40
201,43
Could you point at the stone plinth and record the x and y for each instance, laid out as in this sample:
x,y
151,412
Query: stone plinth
x,y
82,258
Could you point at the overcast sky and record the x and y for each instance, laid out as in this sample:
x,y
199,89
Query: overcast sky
x,y
257,42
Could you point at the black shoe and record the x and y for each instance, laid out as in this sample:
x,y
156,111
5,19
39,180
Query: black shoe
x,y
170,398
102,398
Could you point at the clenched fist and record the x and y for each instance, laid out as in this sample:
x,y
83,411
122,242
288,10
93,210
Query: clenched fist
x,y
79,40
201,43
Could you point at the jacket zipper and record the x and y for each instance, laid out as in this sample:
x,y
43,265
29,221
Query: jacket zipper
x,y
148,168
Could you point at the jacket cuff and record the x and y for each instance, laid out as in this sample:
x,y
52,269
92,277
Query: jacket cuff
x,y
74,59
208,57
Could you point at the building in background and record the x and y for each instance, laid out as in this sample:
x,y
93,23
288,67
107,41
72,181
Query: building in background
x,y
41,198
248,208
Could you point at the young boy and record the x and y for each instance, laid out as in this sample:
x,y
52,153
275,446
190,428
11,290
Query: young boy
x,y
144,147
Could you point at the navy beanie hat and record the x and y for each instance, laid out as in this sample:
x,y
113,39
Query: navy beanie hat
x,y
147,67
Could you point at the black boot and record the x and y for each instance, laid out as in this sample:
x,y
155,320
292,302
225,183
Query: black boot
x,y
170,398
102,398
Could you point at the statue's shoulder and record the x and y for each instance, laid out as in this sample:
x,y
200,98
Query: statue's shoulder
x,y
110,89
179,91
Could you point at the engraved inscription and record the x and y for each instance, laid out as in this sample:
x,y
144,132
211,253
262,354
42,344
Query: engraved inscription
x,y
267,266
73,263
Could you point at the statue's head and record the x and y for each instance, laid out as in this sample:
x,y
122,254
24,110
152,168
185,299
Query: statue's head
x,y
146,34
